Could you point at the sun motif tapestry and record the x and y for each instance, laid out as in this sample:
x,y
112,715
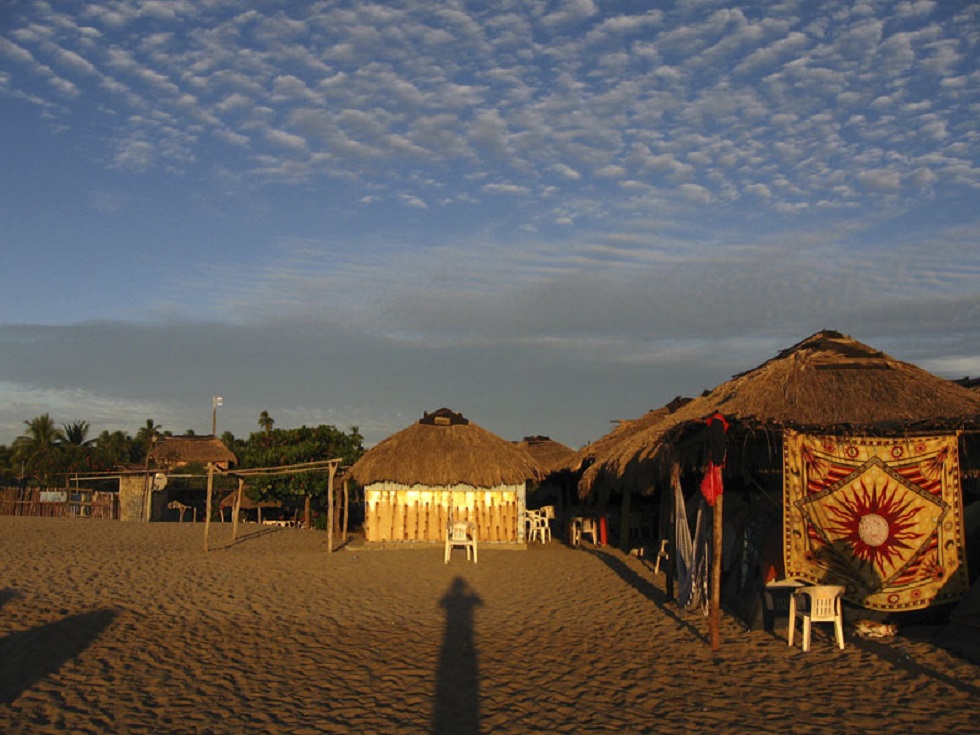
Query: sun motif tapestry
x,y
883,516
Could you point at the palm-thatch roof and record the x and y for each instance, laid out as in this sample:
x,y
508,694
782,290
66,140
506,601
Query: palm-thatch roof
x,y
442,449
173,451
228,501
551,455
829,382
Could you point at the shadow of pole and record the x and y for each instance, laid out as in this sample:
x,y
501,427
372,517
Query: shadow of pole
x,y
457,700
647,589
29,656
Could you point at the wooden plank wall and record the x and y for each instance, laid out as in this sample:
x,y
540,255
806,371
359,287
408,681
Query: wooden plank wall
x,y
395,513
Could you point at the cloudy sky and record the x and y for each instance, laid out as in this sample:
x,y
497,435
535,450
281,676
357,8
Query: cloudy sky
x,y
546,215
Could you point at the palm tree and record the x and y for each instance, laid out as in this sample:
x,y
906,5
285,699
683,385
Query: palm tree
x,y
147,435
76,434
36,448
266,421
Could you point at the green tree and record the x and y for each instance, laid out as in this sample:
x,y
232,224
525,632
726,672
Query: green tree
x,y
76,434
146,437
116,448
281,447
266,421
37,449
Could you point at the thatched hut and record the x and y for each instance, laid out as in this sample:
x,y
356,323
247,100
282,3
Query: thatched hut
x,y
441,467
558,462
827,420
180,451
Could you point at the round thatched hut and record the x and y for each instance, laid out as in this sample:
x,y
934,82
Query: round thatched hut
x,y
847,463
444,467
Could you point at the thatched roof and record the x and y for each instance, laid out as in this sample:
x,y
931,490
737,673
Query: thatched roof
x,y
829,382
182,450
444,448
551,455
228,501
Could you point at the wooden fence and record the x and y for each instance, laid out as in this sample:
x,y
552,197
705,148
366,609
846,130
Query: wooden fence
x,y
413,515
58,503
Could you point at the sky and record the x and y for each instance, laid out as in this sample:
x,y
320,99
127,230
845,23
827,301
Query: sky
x,y
548,216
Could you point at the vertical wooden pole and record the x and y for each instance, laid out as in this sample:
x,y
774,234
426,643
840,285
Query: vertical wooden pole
x,y
624,521
238,508
207,516
346,506
716,542
330,476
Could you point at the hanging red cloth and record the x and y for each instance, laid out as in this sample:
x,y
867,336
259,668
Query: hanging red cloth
x,y
711,484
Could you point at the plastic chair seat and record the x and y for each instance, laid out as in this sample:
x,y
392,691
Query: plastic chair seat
x,y
825,606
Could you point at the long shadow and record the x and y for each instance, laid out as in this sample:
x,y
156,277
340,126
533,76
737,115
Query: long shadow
x,y
901,659
29,656
7,594
457,701
645,588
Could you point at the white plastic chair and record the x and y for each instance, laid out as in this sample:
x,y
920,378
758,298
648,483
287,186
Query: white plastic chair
x,y
538,527
461,533
825,606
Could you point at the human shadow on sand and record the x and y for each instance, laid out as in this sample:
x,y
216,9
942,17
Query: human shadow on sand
x,y
28,656
645,588
457,700
7,594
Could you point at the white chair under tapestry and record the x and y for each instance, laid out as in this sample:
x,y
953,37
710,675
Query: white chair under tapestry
x,y
461,533
823,605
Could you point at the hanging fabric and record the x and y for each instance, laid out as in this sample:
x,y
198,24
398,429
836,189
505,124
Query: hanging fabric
x,y
711,483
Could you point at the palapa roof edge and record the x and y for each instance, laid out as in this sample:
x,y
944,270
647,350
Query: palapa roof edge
x,y
446,454
828,382
191,449
551,455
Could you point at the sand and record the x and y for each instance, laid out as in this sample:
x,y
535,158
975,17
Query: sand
x,y
111,627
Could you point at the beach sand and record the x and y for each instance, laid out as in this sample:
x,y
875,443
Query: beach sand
x,y
111,627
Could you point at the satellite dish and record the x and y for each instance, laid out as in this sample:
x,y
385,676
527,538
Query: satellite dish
x,y
159,481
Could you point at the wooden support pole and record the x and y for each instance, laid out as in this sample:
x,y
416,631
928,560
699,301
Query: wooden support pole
x,y
332,472
207,517
624,521
346,506
716,543
238,508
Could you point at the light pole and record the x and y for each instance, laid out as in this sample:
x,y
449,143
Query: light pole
x,y
215,402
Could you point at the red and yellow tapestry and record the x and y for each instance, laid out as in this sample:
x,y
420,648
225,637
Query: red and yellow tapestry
x,y
882,516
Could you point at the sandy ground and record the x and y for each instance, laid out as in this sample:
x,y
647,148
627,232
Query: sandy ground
x,y
110,627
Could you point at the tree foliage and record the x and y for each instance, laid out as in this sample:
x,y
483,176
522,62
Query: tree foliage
x,y
282,447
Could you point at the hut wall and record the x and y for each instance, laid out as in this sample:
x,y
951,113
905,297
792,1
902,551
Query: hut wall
x,y
395,512
131,489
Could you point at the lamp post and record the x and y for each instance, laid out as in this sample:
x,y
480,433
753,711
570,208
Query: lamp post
x,y
215,402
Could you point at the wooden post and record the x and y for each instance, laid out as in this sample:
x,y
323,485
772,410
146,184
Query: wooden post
x,y
716,541
330,476
675,486
624,521
346,505
237,508
207,517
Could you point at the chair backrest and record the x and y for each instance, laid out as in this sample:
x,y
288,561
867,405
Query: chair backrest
x,y
459,531
824,601
548,511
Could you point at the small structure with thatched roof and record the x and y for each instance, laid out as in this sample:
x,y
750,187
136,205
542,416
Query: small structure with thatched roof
x,y
829,418
442,468
180,451
557,462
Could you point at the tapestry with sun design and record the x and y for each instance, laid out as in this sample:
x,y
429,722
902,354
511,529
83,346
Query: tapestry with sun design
x,y
883,516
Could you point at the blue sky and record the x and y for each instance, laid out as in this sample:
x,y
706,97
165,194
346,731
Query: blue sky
x,y
546,215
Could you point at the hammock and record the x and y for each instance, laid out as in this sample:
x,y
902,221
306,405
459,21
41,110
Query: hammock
x,y
691,557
